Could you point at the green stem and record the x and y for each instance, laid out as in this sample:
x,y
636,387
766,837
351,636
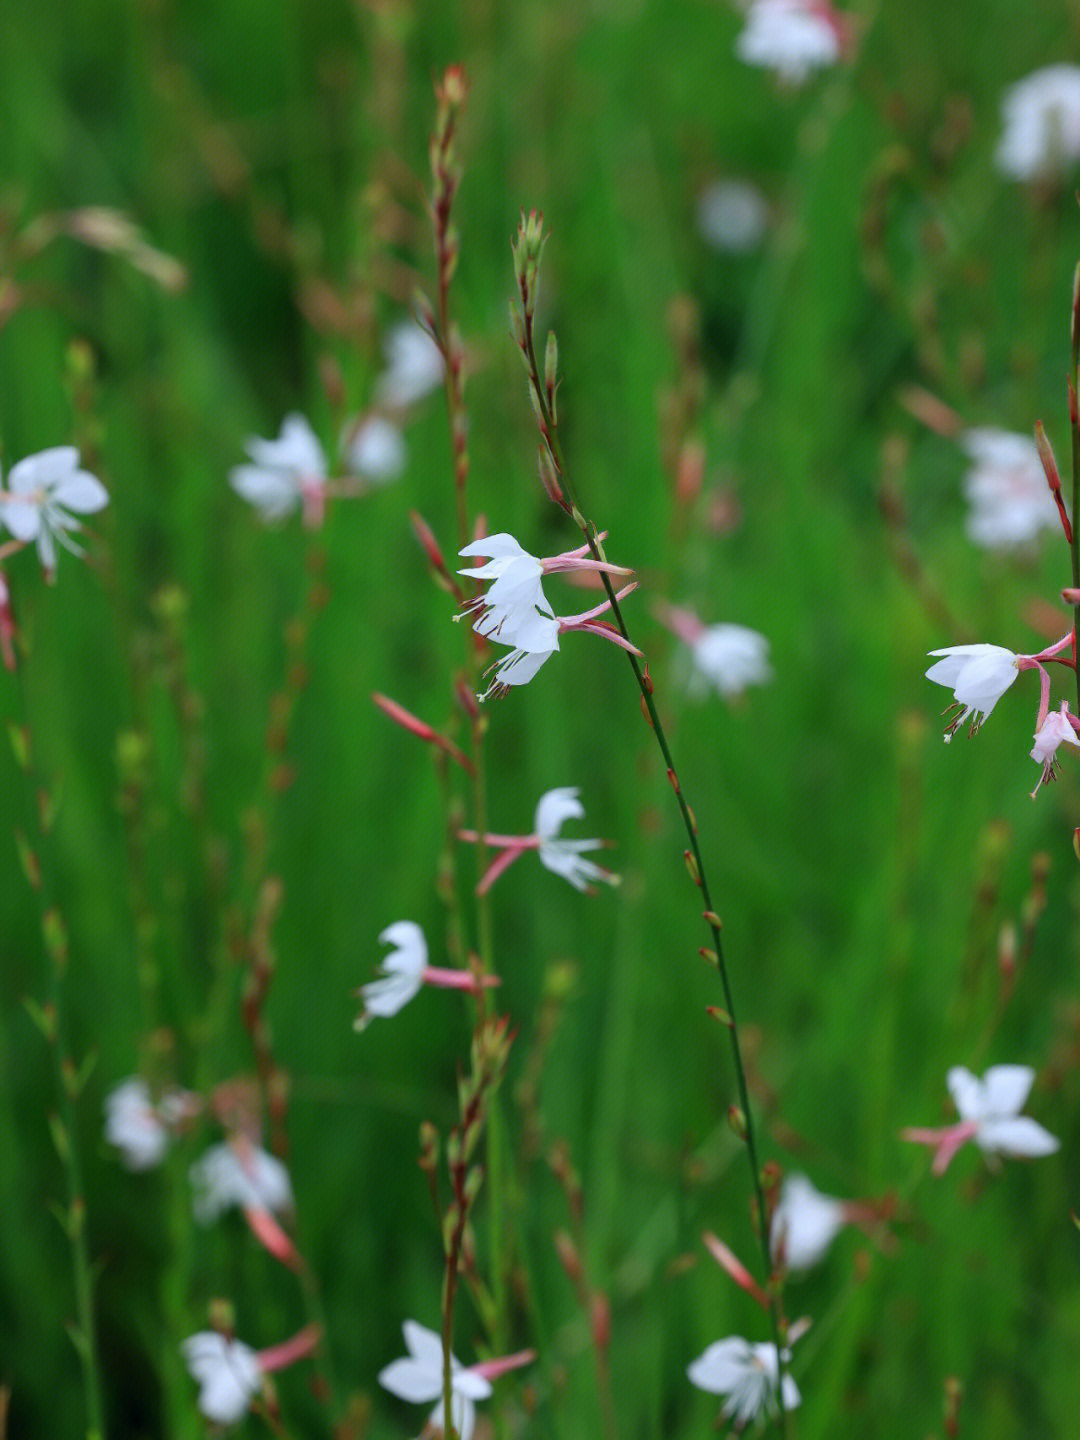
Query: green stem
x,y
549,428
1074,425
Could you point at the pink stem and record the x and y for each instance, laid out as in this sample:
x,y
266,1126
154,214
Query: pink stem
x,y
458,979
593,627
500,842
498,865
492,1369
278,1356
272,1237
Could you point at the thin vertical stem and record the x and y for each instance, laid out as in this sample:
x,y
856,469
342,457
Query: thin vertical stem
x,y
1074,425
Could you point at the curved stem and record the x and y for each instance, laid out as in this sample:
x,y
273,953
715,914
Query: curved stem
x,y
695,862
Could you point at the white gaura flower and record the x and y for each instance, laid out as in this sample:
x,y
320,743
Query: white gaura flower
x,y
228,1373
135,1126
1057,729
804,1224
733,216
792,37
414,367
731,657
564,857
405,969
989,1111
749,1375
1042,124
239,1173
514,602
419,1379
1006,489
993,1104
41,493
978,676
375,450
287,473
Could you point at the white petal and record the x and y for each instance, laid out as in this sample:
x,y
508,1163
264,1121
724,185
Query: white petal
x,y
423,1344
1019,1136
296,449
463,1414
722,1366
377,450
82,492
471,1385
274,492
412,1380
22,518
804,1223
555,808
967,1093
44,470
227,1371
1006,1088
520,666
792,1398
500,546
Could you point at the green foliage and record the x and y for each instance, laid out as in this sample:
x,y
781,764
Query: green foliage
x,y
863,871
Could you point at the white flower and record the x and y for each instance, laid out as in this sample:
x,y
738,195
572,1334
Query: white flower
x,y
993,1105
1056,729
41,490
804,1224
1007,490
514,610
419,1379
747,1374
287,472
978,676
733,216
241,1174
403,972
135,1126
414,366
731,657
376,450
228,1372
792,37
564,857
1042,124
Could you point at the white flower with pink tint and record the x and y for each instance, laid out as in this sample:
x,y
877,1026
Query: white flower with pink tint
x,y
414,366
418,1378
239,1173
135,1126
405,970
725,657
749,1375
1042,124
978,676
228,1373
792,37
561,856
41,493
1006,489
989,1110
288,473
1058,728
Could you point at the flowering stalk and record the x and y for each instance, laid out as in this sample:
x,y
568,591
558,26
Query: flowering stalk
x,y
71,1079
527,254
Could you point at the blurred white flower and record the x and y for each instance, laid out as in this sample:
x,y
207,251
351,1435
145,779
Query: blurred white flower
x,y
1042,124
228,1373
733,216
749,1375
1007,490
978,676
288,472
375,450
993,1104
403,973
414,366
564,857
731,657
1055,730
135,1126
419,1379
792,37
239,1173
41,491
514,604
804,1224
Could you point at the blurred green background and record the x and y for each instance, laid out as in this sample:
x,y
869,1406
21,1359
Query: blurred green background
x,y
863,870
